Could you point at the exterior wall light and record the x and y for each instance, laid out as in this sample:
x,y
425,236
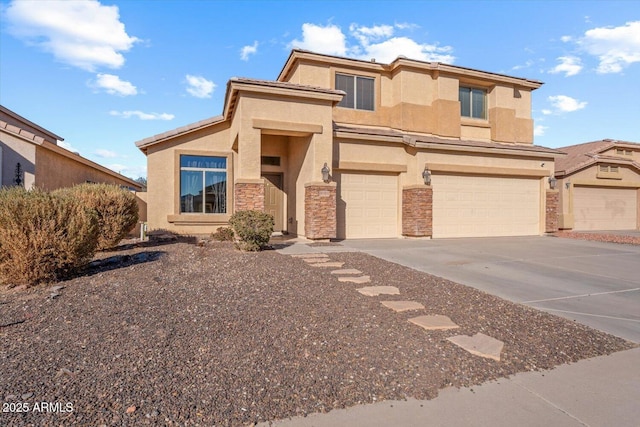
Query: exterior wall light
x,y
426,175
325,173
552,182
567,184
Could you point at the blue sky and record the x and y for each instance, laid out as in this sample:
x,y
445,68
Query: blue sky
x,y
104,74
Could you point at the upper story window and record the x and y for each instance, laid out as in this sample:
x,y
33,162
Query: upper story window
x,y
359,91
203,184
473,103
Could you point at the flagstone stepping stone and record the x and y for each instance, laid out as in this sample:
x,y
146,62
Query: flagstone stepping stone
x,y
360,279
480,344
434,322
315,260
399,306
311,255
374,291
347,271
332,264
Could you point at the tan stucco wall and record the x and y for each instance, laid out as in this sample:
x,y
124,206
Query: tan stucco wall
x,y
409,163
419,100
14,151
54,170
627,177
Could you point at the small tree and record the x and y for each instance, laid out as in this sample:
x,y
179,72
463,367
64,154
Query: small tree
x,y
117,209
252,228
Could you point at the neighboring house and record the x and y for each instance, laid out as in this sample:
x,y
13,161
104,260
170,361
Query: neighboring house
x,y
30,157
599,186
411,148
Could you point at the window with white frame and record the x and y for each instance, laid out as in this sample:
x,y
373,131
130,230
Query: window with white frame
x,y
473,102
203,184
359,91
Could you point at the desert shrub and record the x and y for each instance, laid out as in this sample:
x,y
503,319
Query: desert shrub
x,y
117,210
223,234
43,237
253,229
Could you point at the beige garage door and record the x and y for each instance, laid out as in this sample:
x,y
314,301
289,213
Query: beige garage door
x,y
482,206
599,208
367,205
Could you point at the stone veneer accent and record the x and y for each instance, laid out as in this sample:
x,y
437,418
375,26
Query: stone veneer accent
x,y
417,211
249,195
552,212
320,211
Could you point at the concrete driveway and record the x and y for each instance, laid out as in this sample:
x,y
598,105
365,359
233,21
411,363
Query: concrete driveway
x,y
597,284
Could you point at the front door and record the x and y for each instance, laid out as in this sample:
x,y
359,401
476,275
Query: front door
x,y
274,199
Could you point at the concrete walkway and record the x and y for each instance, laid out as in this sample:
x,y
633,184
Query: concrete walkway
x,y
603,391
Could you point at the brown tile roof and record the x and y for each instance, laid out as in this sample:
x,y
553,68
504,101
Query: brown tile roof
x,y
19,118
285,85
582,155
22,132
417,139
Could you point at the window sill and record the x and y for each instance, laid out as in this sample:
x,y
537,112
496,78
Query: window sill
x,y
479,123
196,219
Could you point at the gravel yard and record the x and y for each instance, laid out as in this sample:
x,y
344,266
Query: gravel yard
x,y
181,334
629,239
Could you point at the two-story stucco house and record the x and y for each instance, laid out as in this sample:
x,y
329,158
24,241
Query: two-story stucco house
x,y
345,148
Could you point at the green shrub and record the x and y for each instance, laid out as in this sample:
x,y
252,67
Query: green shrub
x,y
253,229
117,210
223,234
43,237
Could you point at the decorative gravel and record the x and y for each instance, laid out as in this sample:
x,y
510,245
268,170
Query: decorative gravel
x,y
185,334
600,237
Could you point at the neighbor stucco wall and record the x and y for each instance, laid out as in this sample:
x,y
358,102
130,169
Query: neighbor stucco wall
x,y
53,170
15,150
627,177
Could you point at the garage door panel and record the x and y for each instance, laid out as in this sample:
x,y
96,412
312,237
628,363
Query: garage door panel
x,y
605,208
370,205
480,206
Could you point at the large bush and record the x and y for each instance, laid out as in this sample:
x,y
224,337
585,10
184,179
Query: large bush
x,y
43,237
252,228
117,210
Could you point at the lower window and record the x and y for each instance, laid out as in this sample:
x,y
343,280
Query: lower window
x,y
203,184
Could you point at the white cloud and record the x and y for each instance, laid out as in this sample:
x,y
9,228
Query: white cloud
x,y
527,64
142,115
84,34
248,50
570,65
615,47
130,171
114,86
199,87
406,26
68,147
379,42
566,104
566,39
546,112
107,154
539,130
389,50
329,39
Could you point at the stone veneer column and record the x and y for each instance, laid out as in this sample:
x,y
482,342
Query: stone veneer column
x,y
417,211
249,195
320,220
552,212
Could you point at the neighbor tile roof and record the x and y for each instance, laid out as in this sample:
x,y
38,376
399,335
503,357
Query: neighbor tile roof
x,y
412,139
582,155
